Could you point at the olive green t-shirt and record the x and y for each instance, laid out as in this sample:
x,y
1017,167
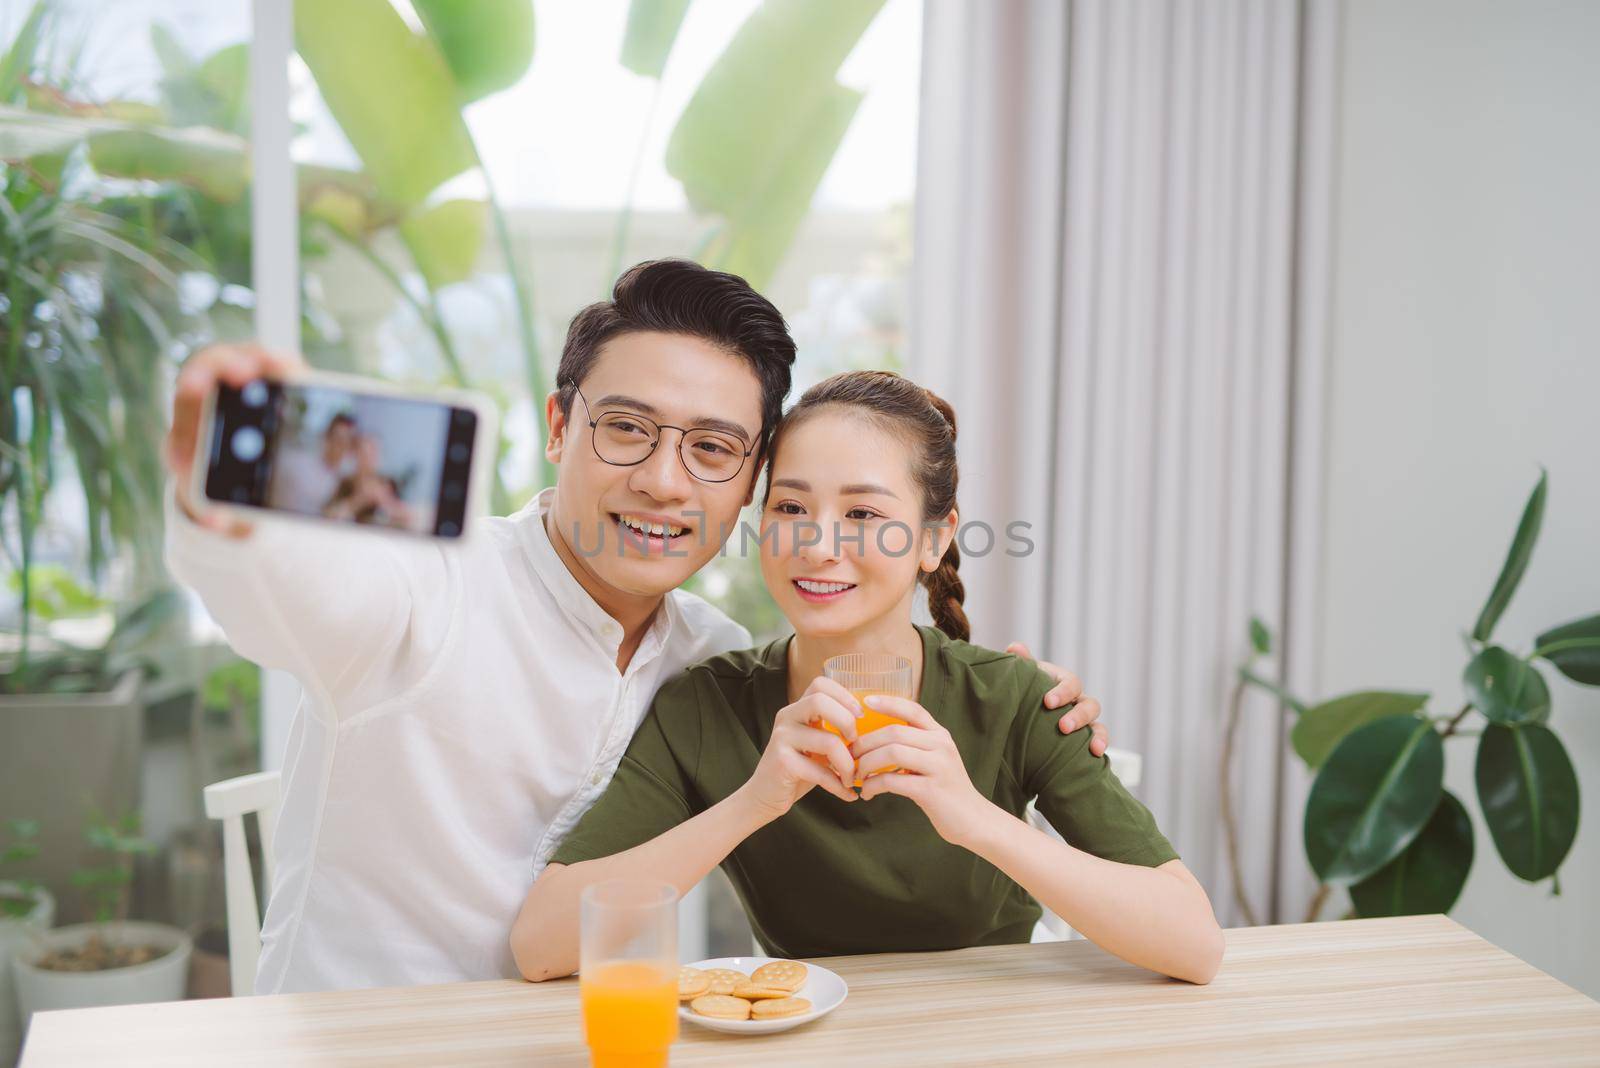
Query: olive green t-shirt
x,y
832,877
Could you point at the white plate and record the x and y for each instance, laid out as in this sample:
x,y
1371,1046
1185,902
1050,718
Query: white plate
x,y
825,990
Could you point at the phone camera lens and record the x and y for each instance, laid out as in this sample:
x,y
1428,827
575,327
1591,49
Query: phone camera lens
x,y
452,491
447,529
254,394
247,444
459,453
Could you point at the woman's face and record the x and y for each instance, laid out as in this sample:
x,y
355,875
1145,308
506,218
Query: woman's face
x,y
842,535
368,454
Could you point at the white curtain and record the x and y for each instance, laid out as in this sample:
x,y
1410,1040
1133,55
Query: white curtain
x,y
1120,239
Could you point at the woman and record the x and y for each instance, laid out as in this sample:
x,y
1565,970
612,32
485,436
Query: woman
x,y
934,855
368,495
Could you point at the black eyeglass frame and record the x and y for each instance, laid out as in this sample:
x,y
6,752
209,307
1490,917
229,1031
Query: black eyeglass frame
x,y
683,436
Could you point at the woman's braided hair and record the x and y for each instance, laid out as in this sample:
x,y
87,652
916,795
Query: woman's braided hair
x,y
928,424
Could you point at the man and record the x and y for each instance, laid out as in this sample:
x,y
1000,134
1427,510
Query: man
x,y
304,481
466,704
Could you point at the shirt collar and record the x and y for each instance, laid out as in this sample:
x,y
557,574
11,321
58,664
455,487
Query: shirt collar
x,y
569,592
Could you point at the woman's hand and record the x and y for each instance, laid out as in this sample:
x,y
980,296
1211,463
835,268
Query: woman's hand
x,y
930,769
787,772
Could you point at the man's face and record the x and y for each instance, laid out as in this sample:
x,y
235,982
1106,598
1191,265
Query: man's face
x,y
341,437
602,510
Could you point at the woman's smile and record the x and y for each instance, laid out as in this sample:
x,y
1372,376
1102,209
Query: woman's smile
x,y
821,591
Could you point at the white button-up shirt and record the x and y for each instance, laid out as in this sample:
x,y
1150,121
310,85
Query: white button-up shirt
x,y
463,708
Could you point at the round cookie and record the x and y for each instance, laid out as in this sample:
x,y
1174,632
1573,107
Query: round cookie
x,y
721,1007
754,991
787,975
779,1007
692,982
723,980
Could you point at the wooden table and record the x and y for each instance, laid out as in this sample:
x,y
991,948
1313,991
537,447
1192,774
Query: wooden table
x,y
1416,990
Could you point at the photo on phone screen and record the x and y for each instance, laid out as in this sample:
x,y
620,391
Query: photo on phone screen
x,y
370,459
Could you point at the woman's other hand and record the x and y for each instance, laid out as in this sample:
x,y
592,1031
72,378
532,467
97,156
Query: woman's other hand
x,y
928,769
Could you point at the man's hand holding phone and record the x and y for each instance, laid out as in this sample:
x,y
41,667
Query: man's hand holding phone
x,y
231,364
258,434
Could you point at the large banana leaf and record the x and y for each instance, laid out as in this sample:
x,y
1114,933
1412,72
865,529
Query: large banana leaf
x,y
1506,688
487,43
1376,791
212,162
652,29
1428,874
445,239
1516,561
214,91
1324,726
391,92
17,62
1529,795
759,133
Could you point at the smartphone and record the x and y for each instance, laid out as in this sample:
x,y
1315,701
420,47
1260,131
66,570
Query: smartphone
x,y
345,450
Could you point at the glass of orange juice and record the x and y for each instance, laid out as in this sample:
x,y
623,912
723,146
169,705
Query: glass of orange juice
x,y
866,675
628,972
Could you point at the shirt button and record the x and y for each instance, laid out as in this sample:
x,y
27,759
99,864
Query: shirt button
x,y
594,780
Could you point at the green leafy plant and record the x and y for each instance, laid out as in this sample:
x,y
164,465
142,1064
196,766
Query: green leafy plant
x,y
106,886
1378,820
231,698
67,669
22,845
107,883
113,214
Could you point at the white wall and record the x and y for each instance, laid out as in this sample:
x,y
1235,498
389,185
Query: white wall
x,y
1465,353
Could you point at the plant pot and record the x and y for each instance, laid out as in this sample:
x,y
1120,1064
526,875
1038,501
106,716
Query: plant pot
x,y
16,933
209,976
162,979
73,754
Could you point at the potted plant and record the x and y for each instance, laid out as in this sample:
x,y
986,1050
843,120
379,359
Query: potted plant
x,y
78,716
113,960
1379,822
26,910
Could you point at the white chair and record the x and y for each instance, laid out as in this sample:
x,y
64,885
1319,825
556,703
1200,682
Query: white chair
x,y
230,801
1129,768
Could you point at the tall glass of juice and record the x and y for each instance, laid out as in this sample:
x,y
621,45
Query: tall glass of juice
x,y
628,972
867,674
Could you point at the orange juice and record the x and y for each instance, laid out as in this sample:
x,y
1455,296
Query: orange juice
x,y
870,721
630,1013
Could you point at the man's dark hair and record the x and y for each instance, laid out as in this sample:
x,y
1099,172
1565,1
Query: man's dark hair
x,y
675,296
344,418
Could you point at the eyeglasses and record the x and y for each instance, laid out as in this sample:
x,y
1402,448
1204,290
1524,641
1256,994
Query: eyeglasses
x,y
625,439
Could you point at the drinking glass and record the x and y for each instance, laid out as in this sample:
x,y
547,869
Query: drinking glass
x,y
628,972
866,675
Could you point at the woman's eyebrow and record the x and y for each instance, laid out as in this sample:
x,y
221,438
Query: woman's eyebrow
x,y
853,488
868,487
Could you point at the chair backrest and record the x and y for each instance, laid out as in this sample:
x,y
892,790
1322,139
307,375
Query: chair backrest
x,y
230,801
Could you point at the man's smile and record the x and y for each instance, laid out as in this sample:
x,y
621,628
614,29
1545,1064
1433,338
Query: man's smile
x,y
649,532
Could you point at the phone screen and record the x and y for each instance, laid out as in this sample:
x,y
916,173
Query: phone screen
x,y
369,459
